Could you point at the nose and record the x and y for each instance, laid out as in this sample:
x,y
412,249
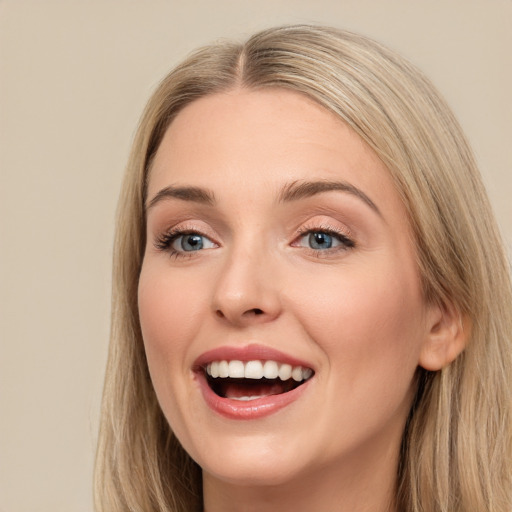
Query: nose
x,y
247,290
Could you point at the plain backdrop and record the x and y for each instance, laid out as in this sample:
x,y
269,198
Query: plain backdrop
x,y
74,77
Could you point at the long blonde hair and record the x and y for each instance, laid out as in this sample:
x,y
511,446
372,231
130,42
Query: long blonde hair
x,y
457,446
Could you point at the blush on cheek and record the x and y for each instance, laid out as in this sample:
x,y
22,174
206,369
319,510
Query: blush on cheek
x,y
369,320
167,307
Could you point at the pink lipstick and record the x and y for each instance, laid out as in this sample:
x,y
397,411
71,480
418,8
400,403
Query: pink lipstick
x,y
250,382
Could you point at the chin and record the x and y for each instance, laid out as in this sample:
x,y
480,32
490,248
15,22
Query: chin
x,y
248,474
252,462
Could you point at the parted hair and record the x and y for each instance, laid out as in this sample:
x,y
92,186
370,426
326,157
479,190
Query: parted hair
x,y
456,453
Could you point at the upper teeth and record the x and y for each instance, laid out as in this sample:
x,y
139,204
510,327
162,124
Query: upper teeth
x,y
257,370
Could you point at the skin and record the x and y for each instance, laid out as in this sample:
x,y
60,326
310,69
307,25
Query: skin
x,y
355,314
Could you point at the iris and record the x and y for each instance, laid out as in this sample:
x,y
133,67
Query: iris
x,y
319,240
191,242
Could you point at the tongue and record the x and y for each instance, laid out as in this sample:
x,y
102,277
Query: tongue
x,y
246,388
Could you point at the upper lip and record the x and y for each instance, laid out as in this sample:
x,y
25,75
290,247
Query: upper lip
x,y
246,353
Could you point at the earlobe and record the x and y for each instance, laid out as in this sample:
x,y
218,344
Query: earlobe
x,y
446,337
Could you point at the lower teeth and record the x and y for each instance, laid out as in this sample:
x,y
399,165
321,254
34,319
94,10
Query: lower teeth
x,y
247,398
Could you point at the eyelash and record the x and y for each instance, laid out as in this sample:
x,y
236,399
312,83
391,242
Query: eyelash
x,y
346,241
165,241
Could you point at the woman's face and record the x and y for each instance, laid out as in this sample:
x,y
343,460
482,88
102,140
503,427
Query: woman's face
x,y
279,260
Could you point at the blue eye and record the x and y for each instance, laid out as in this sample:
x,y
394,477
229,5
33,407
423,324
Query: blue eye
x,y
183,242
322,240
319,240
191,242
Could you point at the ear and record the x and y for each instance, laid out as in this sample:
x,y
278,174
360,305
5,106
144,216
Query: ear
x,y
447,334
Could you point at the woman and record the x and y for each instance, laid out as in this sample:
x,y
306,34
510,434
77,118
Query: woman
x,y
312,306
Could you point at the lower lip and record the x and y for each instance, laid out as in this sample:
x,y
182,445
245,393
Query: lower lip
x,y
251,409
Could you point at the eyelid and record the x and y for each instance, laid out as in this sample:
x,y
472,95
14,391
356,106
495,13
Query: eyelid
x,y
327,226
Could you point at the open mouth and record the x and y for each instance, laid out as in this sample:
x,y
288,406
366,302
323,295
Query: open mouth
x,y
250,380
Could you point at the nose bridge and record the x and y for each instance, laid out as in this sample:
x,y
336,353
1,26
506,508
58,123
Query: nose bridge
x,y
245,291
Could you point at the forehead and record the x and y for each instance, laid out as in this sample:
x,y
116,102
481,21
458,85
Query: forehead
x,y
265,138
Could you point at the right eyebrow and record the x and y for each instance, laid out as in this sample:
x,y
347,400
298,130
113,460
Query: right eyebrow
x,y
194,194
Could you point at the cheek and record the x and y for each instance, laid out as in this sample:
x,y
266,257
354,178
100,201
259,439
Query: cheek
x,y
368,322
170,315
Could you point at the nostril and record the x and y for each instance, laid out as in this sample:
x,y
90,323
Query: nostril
x,y
253,312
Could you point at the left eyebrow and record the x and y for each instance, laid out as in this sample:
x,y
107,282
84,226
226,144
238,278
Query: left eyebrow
x,y
303,189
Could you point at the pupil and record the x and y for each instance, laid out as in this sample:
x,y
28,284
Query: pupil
x,y
320,240
192,243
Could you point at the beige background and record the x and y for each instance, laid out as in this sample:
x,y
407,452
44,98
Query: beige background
x,y
74,76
